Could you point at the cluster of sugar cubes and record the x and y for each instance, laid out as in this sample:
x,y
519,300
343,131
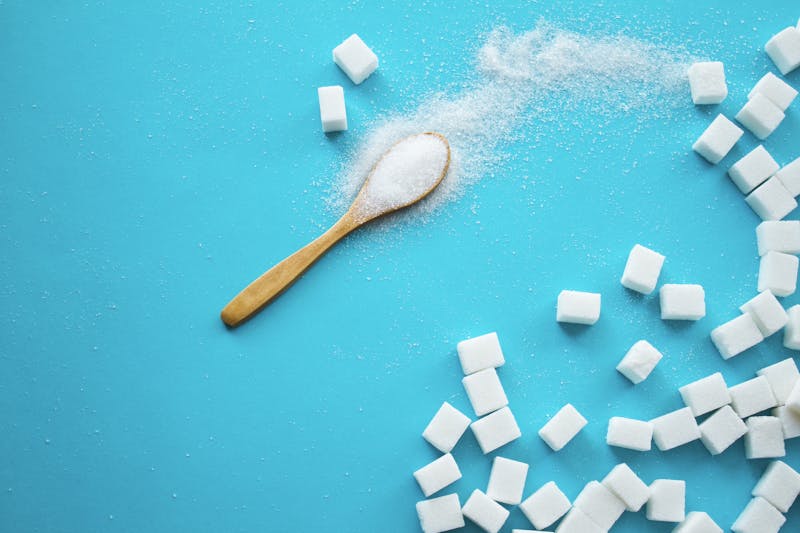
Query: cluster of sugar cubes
x,y
773,495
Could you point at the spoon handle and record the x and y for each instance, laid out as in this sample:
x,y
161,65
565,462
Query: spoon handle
x,y
272,282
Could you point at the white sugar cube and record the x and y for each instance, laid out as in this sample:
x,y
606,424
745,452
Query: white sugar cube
x,y
528,531
564,425
545,506
479,353
440,514
752,396
771,200
753,169
722,429
578,307
682,301
576,521
627,486
735,336
667,501
697,522
790,177
640,360
706,394
767,311
793,400
790,421
507,480
764,438
784,49
485,512
485,391
759,517
791,332
446,428
332,111
779,485
781,93
437,474
778,236
675,429
642,269
600,504
782,377
495,430
707,82
760,116
718,139
777,272
629,433
355,58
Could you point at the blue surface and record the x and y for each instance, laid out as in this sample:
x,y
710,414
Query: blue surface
x,y
157,156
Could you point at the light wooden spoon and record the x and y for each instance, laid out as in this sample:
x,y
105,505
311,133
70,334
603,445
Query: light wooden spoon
x,y
367,206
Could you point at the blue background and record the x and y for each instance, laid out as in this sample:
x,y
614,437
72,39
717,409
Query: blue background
x,y
157,156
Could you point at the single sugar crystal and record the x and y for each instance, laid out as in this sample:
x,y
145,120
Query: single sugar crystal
x,y
759,517
667,501
560,429
698,522
642,269
760,116
790,421
777,272
753,169
675,429
791,332
781,93
437,474
735,336
779,485
752,396
507,480
578,307
440,514
682,301
577,521
722,429
764,438
778,236
767,311
707,82
718,139
446,428
485,391
640,360
706,394
789,176
782,377
332,111
479,353
545,506
771,200
629,433
485,512
627,486
600,504
355,58
784,49
495,430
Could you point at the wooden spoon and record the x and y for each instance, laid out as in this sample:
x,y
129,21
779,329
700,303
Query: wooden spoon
x,y
419,161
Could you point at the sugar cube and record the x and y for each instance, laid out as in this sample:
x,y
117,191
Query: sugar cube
x,y
764,438
545,506
781,93
778,273
446,428
706,394
485,391
332,111
791,333
707,82
778,236
600,504
440,514
793,400
639,361
355,58
578,307
760,116
759,517
642,269
627,486
767,311
784,49
779,485
737,335
577,521
667,501
629,433
752,396
753,169
682,301
479,353
437,474
790,177
697,522
507,480
781,377
495,430
721,429
485,512
771,200
718,139
790,421
675,429
564,425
